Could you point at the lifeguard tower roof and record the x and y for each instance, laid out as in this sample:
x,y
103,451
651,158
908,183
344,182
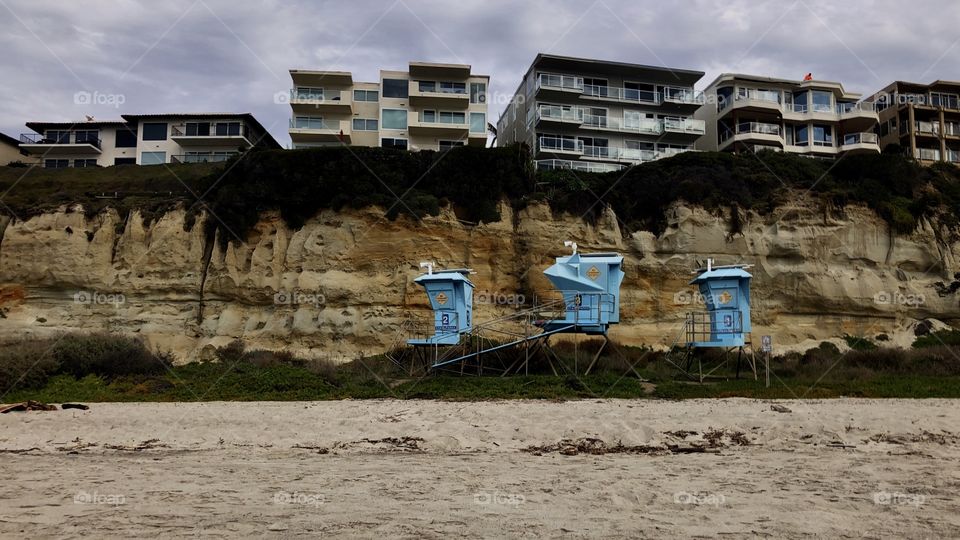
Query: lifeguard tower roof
x,y
721,272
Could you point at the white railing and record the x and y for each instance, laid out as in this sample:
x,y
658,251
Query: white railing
x,y
558,144
682,95
953,156
853,108
563,82
860,138
622,94
560,114
951,128
316,95
439,119
687,125
758,127
927,154
585,166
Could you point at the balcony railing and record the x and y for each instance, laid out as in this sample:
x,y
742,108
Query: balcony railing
x,y
927,154
560,114
562,82
201,158
860,138
688,125
951,128
313,123
318,95
767,96
928,127
442,120
585,166
682,95
758,127
211,130
953,156
67,138
557,144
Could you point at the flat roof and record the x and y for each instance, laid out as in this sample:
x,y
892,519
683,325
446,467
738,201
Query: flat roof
x,y
654,73
813,83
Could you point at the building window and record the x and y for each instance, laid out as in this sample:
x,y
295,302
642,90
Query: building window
x,y
400,144
478,92
800,136
822,101
427,86
453,88
126,138
309,93
308,122
228,129
366,95
124,161
447,145
57,137
155,131
395,88
365,124
88,137
56,163
822,135
83,163
478,122
447,117
153,158
198,129
428,116
394,119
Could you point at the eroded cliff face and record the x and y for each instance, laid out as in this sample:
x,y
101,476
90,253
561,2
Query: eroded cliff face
x,y
343,284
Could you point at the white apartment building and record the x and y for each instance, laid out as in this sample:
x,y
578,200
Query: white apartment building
x,y
813,118
428,107
145,139
599,116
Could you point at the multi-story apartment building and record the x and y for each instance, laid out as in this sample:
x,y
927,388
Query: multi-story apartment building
x,y
145,139
923,119
600,116
814,118
429,107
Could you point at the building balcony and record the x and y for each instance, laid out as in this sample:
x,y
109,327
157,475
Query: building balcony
x,y
752,133
584,166
550,83
67,144
316,130
439,127
203,158
755,101
613,153
927,154
953,156
930,129
226,134
307,101
433,95
558,145
860,143
688,126
553,114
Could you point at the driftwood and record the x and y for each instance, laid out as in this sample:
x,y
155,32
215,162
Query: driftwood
x,y
27,406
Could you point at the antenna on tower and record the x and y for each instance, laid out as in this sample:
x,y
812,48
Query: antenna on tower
x,y
570,243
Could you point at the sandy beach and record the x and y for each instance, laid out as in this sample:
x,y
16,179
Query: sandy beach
x,y
849,468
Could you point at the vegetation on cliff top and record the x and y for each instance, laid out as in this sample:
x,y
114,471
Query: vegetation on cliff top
x,y
472,181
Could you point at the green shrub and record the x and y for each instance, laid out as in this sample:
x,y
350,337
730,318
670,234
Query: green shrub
x,y
106,355
938,339
26,364
859,343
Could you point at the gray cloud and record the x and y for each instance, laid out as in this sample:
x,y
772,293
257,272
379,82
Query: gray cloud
x,y
220,55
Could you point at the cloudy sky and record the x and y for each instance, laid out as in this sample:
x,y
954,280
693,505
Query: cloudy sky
x,y
227,55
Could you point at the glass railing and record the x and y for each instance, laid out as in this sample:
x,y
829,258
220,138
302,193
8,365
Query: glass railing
x,y
847,108
928,127
557,144
643,125
564,82
585,166
953,156
443,120
951,128
201,158
682,95
758,127
688,125
822,108
927,154
63,138
207,130
561,114
317,95
312,123
860,138
767,96
800,108
622,94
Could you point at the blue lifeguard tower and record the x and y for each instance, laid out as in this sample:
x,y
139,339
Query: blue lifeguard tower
x,y
725,324
451,297
589,288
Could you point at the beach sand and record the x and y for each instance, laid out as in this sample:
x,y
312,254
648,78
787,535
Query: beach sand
x,y
849,468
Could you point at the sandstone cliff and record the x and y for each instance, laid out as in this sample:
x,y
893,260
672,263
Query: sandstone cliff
x,y
342,285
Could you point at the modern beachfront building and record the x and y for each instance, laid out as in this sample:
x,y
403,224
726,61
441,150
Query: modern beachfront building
x,y
809,117
923,119
145,139
595,115
428,107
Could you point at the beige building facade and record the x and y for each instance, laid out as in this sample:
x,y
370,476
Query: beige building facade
x,y
923,119
428,107
809,117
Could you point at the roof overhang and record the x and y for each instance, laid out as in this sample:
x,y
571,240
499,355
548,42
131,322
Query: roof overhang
x,y
318,79
428,70
657,74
